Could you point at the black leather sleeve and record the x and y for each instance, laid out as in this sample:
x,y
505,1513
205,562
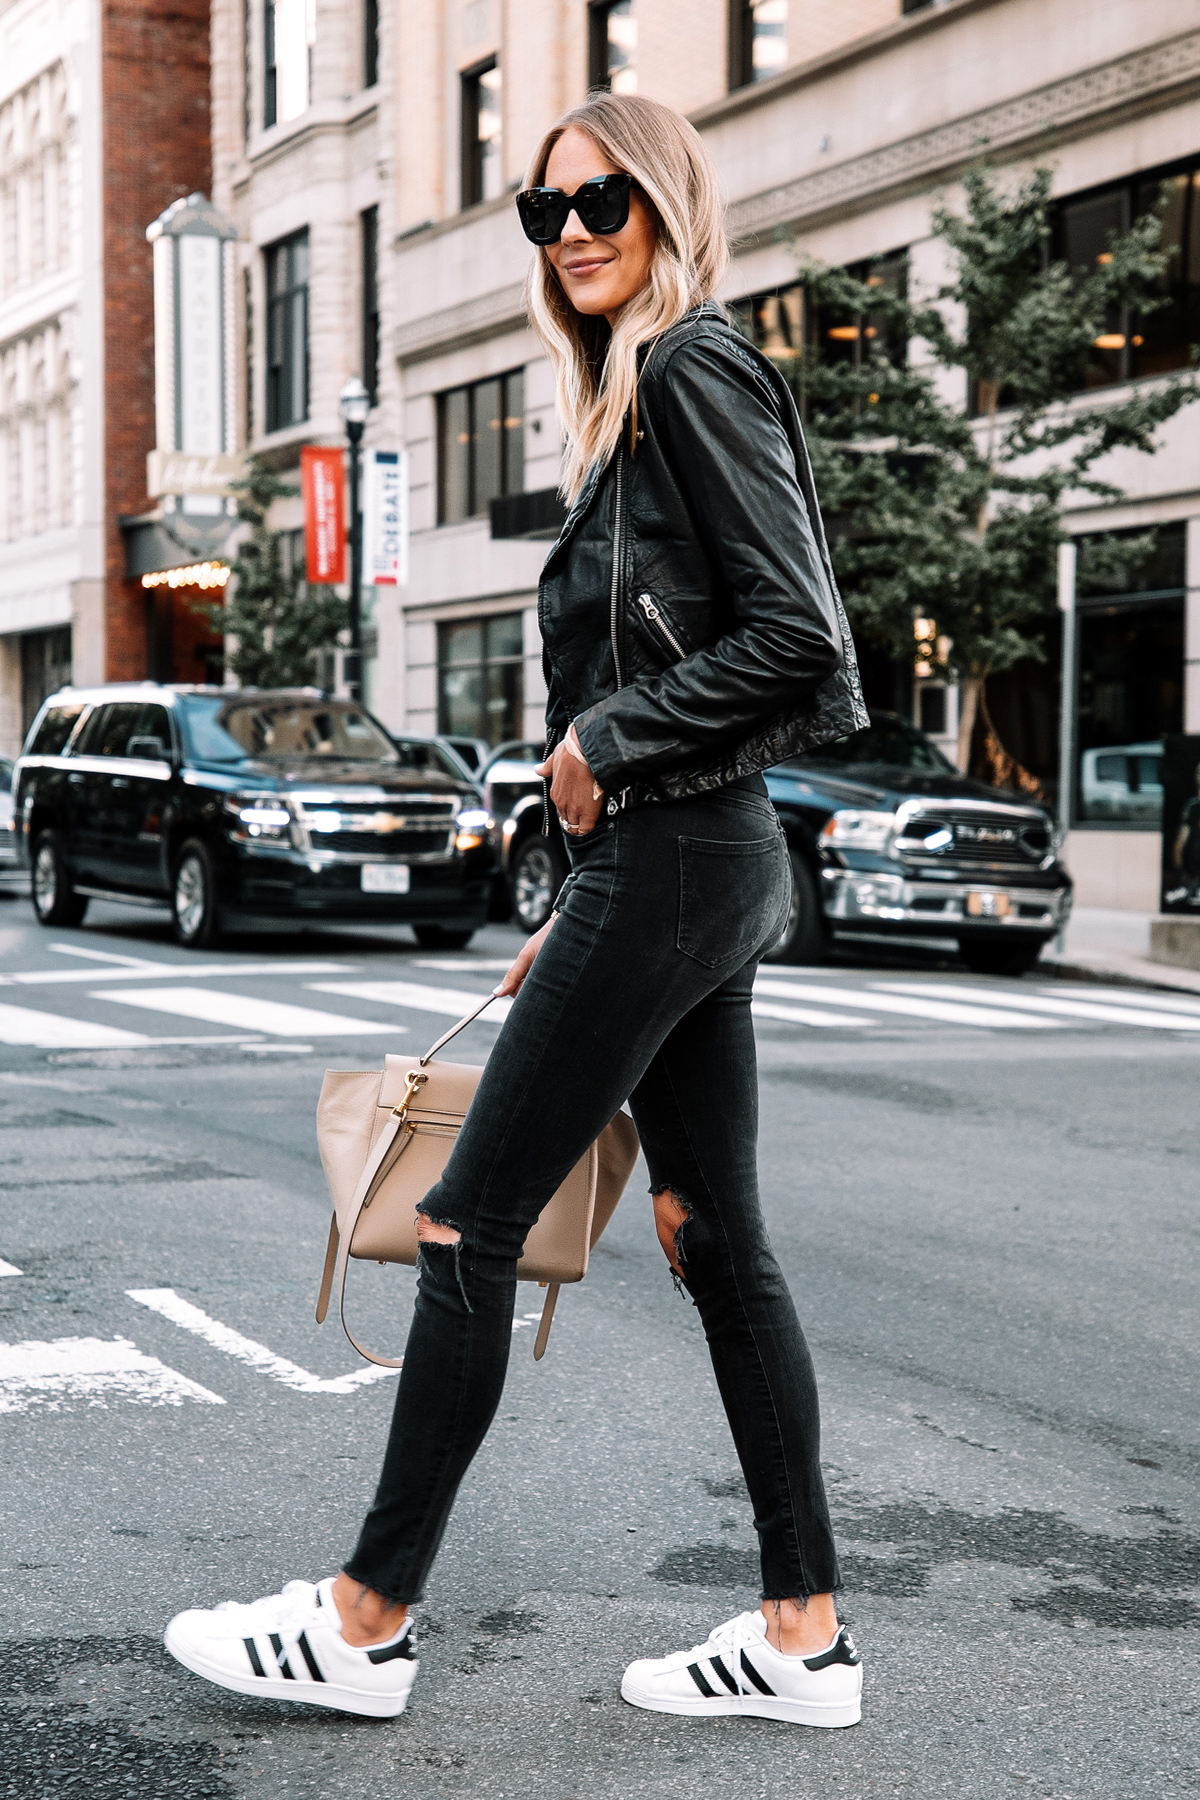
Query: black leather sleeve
x,y
720,430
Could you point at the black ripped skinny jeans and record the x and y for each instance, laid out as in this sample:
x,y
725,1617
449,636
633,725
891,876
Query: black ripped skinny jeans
x,y
641,992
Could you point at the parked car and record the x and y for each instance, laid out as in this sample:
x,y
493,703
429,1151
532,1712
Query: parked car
x,y
472,752
888,839
434,753
12,877
533,863
1122,782
244,806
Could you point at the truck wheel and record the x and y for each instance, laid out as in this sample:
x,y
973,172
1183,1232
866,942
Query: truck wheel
x,y
194,899
437,937
999,958
535,879
55,901
804,938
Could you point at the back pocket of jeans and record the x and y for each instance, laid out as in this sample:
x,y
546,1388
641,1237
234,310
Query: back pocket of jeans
x,y
729,897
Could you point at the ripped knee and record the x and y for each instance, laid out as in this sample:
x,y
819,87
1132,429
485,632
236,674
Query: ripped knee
x,y
671,1214
433,1231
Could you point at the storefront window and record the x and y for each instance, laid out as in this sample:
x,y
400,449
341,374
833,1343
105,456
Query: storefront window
x,y
481,445
1130,692
481,664
788,327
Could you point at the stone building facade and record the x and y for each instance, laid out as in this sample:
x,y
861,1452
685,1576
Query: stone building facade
x,y
103,122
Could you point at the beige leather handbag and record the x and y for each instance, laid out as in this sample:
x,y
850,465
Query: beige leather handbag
x,y
384,1141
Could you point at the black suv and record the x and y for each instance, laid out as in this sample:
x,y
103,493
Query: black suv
x,y
243,806
887,839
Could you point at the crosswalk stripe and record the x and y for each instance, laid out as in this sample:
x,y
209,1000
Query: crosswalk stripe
x,y
147,971
169,1305
7,1268
51,1031
452,1001
271,1016
1134,997
1072,1009
91,1370
801,1015
918,1009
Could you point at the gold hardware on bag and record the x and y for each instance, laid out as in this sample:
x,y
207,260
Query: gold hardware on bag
x,y
413,1080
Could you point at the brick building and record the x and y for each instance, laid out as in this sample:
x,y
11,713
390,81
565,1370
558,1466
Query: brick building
x,y
104,121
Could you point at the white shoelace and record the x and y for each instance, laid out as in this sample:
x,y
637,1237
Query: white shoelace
x,y
286,1615
733,1637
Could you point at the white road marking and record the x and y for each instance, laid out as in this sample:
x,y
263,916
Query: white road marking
x,y
7,1268
106,956
271,1016
51,1031
1072,1009
464,965
92,1371
148,971
802,1015
1132,997
917,1009
452,1001
222,1337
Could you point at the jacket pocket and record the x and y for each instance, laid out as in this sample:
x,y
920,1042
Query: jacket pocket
x,y
729,897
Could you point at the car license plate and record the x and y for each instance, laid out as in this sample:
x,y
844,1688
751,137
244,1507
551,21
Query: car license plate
x,y
988,906
385,878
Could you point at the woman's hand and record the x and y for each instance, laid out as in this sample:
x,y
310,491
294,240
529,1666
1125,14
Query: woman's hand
x,y
520,969
574,792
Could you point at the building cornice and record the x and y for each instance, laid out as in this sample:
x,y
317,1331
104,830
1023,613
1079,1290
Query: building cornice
x,y
486,316
436,228
327,118
1128,86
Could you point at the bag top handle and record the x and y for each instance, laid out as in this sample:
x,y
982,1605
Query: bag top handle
x,y
455,1029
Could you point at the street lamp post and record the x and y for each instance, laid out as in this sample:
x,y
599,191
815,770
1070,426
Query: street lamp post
x,y
354,403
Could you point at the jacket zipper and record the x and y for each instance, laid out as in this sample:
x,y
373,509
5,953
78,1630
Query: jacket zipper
x,y
656,619
616,575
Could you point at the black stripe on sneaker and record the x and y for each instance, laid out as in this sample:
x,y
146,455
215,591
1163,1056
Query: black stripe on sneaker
x,y
389,1652
695,1672
306,1652
755,1677
252,1653
716,1664
280,1658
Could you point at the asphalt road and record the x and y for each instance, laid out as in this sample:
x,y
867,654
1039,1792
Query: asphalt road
x,y
985,1199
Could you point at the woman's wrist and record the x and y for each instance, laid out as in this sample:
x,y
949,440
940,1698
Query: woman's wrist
x,y
574,746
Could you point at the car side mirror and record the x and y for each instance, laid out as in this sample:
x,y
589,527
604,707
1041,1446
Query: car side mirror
x,y
151,749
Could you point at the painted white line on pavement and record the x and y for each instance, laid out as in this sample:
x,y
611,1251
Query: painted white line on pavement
x,y
91,1371
271,1016
917,1009
104,956
148,971
51,1031
452,1001
1151,997
9,1269
1072,1009
464,965
222,1337
802,1015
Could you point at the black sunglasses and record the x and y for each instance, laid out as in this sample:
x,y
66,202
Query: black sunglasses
x,y
602,204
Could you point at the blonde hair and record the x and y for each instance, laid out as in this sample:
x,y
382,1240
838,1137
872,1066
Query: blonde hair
x,y
596,370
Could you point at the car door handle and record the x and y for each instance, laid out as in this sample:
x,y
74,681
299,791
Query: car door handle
x,y
120,781
76,778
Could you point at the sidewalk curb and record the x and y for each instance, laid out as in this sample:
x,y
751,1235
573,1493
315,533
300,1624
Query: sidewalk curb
x,y
1125,971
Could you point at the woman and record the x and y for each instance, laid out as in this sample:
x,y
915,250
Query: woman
x,y
693,637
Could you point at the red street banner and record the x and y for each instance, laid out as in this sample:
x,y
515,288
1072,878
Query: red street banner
x,y
322,485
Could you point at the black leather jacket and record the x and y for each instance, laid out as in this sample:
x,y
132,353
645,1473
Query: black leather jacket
x,y
691,622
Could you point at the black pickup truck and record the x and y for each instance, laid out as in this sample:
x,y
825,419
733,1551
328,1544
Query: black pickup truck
x,y
244,806
887,839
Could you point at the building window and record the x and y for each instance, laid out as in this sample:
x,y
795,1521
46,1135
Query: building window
x,y
480,678
369,250
248,297
370,42
289,35
481,445
757,40
1084,224
1130,688
791,330
287,332
45,667
482,175
612,46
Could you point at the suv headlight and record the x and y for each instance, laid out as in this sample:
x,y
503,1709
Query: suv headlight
x,y
263,818
473,826
851,830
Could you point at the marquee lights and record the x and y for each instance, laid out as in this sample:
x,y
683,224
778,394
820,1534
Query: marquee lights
x,y
201,575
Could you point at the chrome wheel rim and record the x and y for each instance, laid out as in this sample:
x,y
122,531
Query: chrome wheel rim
x,y
533,888
45,880
190,896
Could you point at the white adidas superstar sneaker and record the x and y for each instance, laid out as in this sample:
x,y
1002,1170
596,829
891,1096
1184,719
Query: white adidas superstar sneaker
x,y
737,1671
289,1646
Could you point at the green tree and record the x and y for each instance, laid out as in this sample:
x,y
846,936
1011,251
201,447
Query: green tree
x,y
275,617
955,519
